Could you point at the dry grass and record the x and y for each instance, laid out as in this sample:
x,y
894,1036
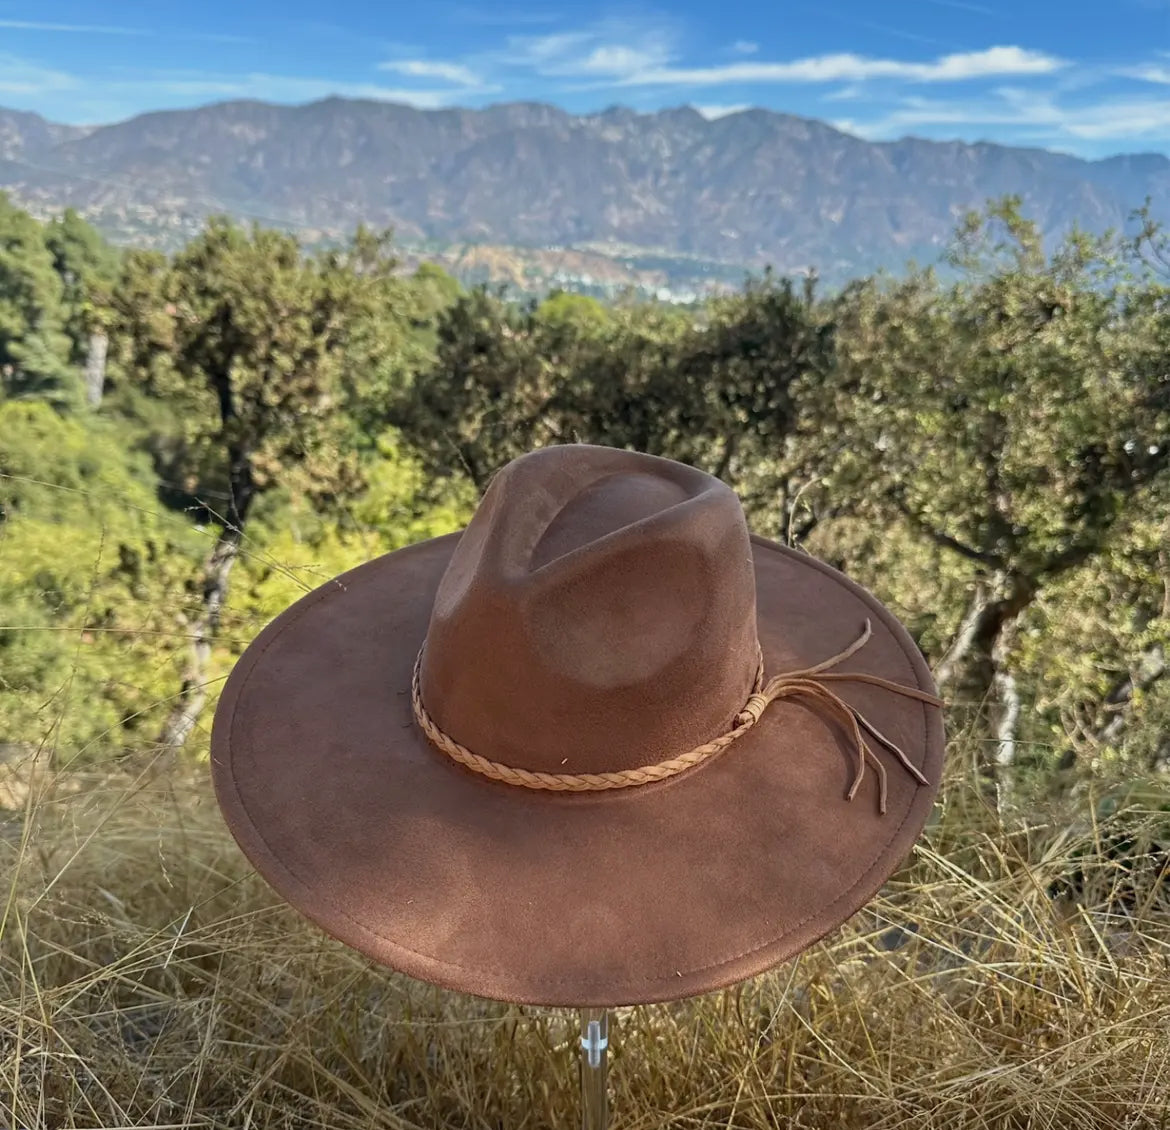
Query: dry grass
x,y
148,978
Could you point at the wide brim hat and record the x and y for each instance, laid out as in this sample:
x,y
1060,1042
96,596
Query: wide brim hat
x,y
600,748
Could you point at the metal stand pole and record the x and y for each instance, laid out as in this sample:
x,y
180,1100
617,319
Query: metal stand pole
x,y
594,1046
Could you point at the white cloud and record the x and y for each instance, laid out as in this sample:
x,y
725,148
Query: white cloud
x,y
617,61
615,49
1148,72
455,73
843,94
20,76
640,59
914,112
538,50
848,67
644,55
628,53
1031,115
1133,118
712,111
89,99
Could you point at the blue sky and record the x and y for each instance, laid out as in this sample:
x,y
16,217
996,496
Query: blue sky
x,y
1088,78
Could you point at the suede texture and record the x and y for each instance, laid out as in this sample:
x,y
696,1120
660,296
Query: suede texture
x,y
588,599
600,612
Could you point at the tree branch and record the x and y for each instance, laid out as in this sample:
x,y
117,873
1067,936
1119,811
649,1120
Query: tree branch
x,y
1119,702
1076,554
964,640
946,541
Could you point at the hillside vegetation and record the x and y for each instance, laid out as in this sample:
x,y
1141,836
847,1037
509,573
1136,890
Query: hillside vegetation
x,y
189,442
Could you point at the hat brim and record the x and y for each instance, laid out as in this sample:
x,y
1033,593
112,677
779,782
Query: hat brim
x,y
630,896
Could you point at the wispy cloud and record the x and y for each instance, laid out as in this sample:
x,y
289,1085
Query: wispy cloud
x,y
1110,117
846,67
615,61
456,73
852,22
1011,92
844,94
538,50
608,49
82,29
134,32
1148,72
1030,115
23,77
117,95
630,53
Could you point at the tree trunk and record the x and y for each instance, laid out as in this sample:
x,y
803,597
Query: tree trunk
x,y
192,695
950,665
974,669
1005,717
95,367
1005,701
193,692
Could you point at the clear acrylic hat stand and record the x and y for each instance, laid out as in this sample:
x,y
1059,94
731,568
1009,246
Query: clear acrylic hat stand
x,y
594,1062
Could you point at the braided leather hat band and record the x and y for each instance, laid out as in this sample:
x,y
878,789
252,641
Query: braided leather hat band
x,y
807,683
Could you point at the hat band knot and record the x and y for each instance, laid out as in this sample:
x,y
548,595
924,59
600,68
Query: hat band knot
x,y
807,683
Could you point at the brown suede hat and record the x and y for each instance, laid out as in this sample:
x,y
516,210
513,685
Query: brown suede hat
x,y
603,747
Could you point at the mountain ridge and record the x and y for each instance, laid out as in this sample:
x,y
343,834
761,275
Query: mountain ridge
x,y
749,188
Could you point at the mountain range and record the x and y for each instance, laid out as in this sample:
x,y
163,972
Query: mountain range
x,y
669,191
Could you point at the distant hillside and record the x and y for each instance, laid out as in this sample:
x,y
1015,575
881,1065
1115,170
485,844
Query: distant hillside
x,y
668,191
29,135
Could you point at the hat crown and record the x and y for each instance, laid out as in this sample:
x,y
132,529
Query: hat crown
x,y
598,614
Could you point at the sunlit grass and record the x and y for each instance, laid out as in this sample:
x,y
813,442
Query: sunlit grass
x,y
149,978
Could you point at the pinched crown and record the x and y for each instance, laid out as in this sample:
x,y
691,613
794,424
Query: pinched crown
x,y
598,614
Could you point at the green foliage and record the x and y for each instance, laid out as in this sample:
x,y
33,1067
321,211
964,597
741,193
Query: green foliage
x,y
714,392
91,574
435,290
1014,421
293,549
577,310
239,368
1094,648
268,360
33,345
988,453
486,398
1004,414
88,269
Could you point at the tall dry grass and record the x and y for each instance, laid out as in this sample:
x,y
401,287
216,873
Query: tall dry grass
x,y
148,978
